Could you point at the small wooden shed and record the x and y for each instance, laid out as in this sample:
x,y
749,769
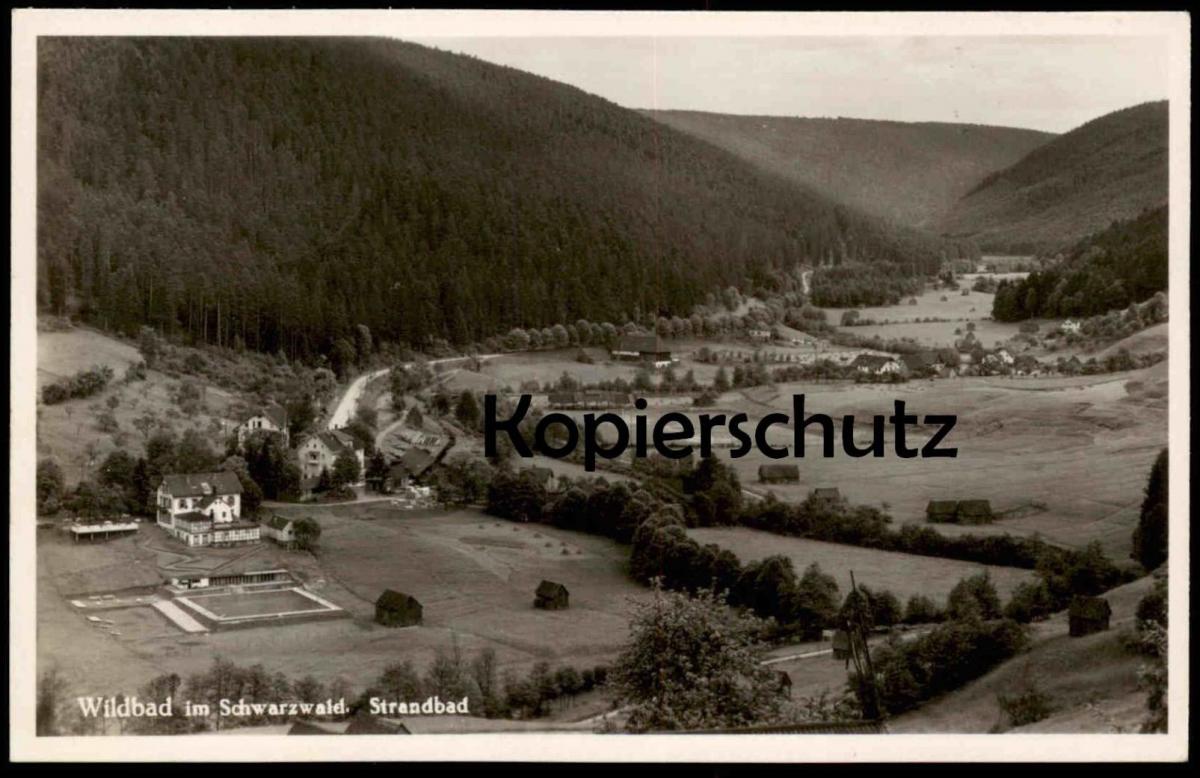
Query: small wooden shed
x,y
775,474
942,511
1088,615
551,596
831,493
394,609
974,512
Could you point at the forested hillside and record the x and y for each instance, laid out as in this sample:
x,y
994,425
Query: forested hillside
x,y
910,173
1126,263
278,192
1111,168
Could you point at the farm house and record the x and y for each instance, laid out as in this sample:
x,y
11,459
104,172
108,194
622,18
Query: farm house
x,y
773,474
642,348
551,596
394,609
1088,615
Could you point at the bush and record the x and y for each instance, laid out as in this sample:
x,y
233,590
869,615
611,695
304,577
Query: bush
x,y
1030,600
922,610
85,383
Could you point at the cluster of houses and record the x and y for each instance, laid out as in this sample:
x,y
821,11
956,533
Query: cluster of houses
x,y
930,364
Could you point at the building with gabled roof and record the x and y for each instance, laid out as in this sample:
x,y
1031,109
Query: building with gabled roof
x,y
280,529
642,348
975,512
320,451
775,474
551,596
830,493
271,419
875,364
1087,615
204,509
942,511
416,461
396,609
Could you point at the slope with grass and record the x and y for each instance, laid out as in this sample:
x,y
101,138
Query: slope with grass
x,y
1090,682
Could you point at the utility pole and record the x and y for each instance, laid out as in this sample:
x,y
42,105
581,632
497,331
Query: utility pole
x,y
857,626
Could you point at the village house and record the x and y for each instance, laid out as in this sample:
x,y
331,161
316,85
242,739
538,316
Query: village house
x,y
416,461
271,419
204,509
1025,365
774,474
759,334
642,348
320,451
394,609
922,363
1088,615
551,596
1070,327
280,529
875,364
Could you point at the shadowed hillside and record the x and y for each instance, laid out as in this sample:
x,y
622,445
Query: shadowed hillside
x,y
1111,168
910,173
276,193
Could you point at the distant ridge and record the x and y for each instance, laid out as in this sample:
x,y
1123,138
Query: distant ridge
x,y
1112,168
910,173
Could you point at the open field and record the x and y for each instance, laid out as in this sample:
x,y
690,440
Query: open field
x,y
474,576
902,574
973,307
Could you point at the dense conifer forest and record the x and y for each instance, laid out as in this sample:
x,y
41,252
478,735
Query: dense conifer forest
x,y
277,193
1112,168
910,173
1124,264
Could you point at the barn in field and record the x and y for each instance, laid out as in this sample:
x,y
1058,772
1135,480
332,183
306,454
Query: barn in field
x,y
778,474
829,493
1088,615
551,596
942,511
975,512
394,609
642,348
959,511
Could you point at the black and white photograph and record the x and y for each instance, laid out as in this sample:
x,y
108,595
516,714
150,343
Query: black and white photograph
x,y
561,383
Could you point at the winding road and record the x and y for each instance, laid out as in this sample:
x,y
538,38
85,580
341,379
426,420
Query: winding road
x,y
349,401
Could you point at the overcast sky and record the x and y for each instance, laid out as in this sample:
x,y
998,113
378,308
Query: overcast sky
x,y
1043,83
